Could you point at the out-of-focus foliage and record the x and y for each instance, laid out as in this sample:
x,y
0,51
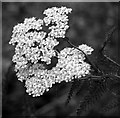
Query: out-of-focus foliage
x,y
88,24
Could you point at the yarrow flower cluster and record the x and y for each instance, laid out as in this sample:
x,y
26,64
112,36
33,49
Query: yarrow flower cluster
x,y
35,47
32,46
58,17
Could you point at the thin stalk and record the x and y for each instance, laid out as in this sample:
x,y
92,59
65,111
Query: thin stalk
x,y
108,37
112,60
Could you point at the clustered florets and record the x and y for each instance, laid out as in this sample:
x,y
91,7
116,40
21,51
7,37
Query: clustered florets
x,y
57,16
35,47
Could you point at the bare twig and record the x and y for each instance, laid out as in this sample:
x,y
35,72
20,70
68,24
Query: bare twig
x,y
112,60
105,75
99,77
108,37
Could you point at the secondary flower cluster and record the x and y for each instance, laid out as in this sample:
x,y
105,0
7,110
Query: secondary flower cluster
x,y
34,48
58,19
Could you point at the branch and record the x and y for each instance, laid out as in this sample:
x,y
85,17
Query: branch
x,y
108,37
112,60
106,75
99,77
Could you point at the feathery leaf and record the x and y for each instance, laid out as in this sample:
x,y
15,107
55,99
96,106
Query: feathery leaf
x,y
97,88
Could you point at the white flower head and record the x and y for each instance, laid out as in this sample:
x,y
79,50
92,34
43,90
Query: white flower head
x,y
71,61
86,49
34,47
71,64
58,19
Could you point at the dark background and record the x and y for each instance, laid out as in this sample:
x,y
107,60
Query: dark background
x,y
88,23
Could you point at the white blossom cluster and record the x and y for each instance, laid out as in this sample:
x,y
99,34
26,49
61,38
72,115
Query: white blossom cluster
x,y
33,46
58,18
72,60
70,65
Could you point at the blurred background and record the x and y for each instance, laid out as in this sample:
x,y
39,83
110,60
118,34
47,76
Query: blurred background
x,y
88,23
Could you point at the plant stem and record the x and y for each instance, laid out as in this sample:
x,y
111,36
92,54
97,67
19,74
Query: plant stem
x,y
107,39
99,77
112,60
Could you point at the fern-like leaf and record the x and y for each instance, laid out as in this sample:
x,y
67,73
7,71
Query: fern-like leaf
x,y
83,87
97,88
111,105
115,88
75,84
